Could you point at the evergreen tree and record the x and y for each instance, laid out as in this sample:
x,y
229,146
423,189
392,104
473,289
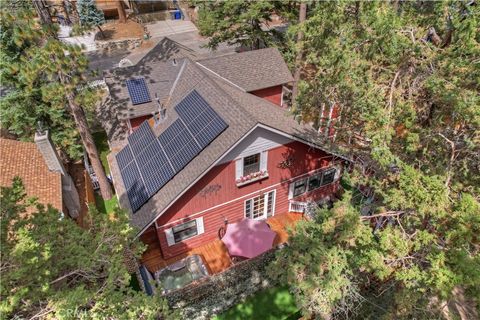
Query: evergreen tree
x,y
46,80
52,268
237,22
90,15
406,78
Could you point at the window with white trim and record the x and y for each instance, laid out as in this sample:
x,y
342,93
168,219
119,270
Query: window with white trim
x,y
251,168
251,164
328,176
184,231
260,207
299,187
314,182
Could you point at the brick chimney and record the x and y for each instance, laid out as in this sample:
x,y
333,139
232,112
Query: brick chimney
x,y
69,192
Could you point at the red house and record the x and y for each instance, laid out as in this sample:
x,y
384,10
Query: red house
x,y
222,150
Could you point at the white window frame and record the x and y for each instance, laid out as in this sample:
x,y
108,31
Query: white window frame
x,y
239,163
291,186
265,205
171,238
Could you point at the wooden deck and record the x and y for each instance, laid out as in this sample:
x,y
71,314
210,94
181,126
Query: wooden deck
x,y
215,254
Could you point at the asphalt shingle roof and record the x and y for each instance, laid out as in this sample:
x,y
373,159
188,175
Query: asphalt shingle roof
x,y
251,70
23,159
242,112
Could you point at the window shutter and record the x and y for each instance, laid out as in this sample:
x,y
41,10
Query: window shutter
x,y
290,190
170,238
337,172
200,228
238,168
263,160
248,208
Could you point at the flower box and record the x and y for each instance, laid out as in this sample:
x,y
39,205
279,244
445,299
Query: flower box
x,y
256,176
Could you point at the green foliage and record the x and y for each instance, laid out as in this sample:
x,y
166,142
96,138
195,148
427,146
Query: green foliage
x,y
238,22
101,142
90,15
79,30
53,268
30,62
337,264
274,303
412,96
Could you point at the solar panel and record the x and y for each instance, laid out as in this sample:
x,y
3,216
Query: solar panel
x,y
147,163
141,138
131,175
138,91
137,196
191,106
150,151
176,144
149,168
156,181
185,155
210,132
124,157
201,120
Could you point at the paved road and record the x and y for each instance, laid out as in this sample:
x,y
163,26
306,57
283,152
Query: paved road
x,y
167,28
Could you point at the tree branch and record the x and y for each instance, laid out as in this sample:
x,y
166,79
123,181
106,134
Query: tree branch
x,y
450,162
384,214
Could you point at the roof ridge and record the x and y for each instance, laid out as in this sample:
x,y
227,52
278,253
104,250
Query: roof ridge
x,y
217,87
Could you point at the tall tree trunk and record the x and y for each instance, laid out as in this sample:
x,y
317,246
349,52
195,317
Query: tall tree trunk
x,y
122,16
89,144
298,59
42,11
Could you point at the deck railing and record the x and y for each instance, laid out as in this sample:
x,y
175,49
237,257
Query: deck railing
x,y
297,206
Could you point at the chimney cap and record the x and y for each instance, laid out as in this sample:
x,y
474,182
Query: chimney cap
x,y
40,129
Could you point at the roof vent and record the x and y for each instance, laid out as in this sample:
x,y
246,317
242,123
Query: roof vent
x,y
160,115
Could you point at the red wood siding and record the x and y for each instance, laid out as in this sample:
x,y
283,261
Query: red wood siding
x,y
218,188
272,94
136,122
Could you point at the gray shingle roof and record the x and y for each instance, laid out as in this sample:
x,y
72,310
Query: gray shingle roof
x,y
251,70
242,111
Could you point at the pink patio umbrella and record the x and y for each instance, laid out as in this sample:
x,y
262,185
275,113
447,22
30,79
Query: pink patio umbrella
x,y
248,238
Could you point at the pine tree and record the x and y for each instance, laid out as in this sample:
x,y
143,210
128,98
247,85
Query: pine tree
x,y
90,15
237,22
53,269
45,70
405,76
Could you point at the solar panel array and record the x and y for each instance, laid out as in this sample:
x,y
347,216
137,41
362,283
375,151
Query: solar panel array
x,y
138,91
147,163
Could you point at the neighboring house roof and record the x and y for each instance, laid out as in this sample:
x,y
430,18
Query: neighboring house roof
x,y
159,77
24,160
243,112
159,71
251,70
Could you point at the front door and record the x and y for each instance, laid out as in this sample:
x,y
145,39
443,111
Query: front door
x,y
260,207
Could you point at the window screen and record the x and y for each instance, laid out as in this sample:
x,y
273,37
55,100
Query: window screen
x,y
328,176
299,187
251,164
185,231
